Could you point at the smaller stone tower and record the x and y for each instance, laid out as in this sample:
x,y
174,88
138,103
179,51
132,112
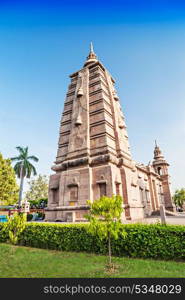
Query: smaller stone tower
x,y
161,168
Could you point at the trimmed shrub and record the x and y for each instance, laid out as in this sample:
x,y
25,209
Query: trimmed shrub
x,y
144,241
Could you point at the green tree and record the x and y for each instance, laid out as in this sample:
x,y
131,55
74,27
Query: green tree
x,y
105,220
41,203
179,197
38,188
8,186
23,168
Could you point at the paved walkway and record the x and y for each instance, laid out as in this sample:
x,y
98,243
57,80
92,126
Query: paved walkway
x,y
179,220
173,220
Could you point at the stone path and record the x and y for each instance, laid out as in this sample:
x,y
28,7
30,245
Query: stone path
x,y
173,220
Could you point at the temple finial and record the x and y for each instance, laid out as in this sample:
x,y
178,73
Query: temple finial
x,y
92,56
157,151
91,48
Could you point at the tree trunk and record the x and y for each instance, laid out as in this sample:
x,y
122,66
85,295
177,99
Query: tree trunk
x,y
21,186
109,246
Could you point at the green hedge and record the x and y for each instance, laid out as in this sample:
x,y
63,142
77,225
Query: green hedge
x,y
146,241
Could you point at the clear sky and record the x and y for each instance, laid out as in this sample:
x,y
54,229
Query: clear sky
x,y
141,43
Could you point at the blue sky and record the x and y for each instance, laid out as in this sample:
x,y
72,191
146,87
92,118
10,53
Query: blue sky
x,y
141,43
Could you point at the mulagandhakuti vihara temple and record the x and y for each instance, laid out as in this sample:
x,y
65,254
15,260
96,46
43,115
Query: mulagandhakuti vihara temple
x,y
94,157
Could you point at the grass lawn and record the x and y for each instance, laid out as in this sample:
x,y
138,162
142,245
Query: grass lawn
x,y
16,261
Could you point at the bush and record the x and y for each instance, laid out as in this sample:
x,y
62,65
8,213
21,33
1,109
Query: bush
x,y
3,234
144,241
15,226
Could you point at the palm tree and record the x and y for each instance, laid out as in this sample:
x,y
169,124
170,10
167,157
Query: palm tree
x,y
23,168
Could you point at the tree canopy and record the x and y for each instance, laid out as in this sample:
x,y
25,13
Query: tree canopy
x,y
8,186
38,188
179,197
23,162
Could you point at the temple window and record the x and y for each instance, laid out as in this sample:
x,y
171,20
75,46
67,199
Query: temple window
x,y
103,189
141,191
159,170
55,196
117,188
147,196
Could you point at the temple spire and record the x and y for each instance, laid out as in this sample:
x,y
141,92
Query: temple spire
x,y
157,152
92,56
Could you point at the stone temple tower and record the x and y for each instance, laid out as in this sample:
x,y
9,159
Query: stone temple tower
x,y
93,157
93,144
